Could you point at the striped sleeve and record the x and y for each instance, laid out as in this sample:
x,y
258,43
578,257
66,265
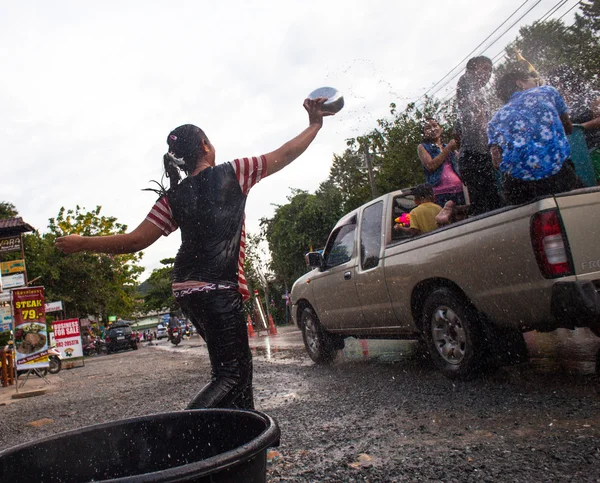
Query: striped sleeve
x,y
242,283
161,216
249,171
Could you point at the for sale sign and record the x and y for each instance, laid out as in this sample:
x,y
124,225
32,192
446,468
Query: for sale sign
x,y
68,339
31,336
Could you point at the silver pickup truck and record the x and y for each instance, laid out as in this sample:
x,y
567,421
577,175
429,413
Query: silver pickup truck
x,y
469,290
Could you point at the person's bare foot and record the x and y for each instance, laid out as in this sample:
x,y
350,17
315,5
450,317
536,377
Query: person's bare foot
x,y
446,216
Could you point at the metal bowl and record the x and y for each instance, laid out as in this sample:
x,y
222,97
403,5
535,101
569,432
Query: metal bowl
x,y
335,100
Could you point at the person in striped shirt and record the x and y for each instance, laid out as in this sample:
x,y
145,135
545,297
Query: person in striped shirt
x,y
208,278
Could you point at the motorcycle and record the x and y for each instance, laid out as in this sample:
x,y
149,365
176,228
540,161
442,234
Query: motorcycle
x,y
175,336
96,346
55,362
188,332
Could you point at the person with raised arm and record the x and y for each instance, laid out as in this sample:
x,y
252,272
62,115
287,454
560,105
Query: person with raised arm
x,y
208,278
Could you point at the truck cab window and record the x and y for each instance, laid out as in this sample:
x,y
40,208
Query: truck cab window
x,y
340,247
370,236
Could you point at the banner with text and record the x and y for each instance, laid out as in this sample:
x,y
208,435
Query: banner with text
x,y
10,243
68,339
13,266
31,336
5,318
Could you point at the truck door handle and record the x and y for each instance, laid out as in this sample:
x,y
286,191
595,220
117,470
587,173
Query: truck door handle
x,y
347,275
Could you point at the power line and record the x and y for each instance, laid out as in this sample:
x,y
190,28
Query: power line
x,y
502,54
496,40
498,57
467,56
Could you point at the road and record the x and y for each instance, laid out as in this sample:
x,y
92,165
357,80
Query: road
x,y
383,400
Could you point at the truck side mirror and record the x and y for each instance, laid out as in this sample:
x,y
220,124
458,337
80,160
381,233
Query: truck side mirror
x,y
313,260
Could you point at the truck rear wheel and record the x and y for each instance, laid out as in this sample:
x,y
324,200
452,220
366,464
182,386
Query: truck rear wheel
x,y
320,345
451,327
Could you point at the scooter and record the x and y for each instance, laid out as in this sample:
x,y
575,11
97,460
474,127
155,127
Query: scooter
x,y
96,346
55,361
175,336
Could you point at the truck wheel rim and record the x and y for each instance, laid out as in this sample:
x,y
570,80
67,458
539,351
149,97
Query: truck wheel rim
x,y
310,329
448,335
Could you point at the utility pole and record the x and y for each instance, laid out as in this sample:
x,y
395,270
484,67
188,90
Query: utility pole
x,y
368,159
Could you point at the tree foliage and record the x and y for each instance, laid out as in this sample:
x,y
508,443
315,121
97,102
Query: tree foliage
x,y
87,283
7,210
159,294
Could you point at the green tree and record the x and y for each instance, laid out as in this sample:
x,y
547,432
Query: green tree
x,y
87,283
297,227
7,210
159,293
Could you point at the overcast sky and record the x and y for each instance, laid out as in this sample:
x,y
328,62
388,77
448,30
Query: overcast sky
x,y
90,90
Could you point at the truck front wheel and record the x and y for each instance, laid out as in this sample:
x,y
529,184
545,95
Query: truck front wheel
x,y
451,327
320,345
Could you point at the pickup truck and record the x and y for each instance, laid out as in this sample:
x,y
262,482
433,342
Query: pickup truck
x,y
468,290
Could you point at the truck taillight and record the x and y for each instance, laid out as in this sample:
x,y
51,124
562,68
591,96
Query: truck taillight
x,y
550,245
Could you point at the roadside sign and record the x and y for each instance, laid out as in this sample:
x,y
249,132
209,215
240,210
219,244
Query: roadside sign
x,y
31,336
54,306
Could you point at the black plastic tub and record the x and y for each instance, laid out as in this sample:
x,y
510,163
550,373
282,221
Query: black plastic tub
x,y
204,445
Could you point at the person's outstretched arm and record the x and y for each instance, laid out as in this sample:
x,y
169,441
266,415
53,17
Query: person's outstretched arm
x,y
283,156
142,237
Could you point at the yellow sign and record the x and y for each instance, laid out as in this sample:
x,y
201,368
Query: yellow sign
x,y
14,266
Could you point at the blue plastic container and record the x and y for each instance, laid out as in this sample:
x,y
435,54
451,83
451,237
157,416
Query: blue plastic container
x,y
581,157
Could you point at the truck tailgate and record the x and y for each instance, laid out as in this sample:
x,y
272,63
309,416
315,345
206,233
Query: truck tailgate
x,y
580,213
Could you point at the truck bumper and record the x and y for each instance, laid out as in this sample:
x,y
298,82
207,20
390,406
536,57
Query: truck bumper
x,y
576,304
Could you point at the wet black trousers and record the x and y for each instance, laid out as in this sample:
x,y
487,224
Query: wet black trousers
x,y
517,191
478,174
218,316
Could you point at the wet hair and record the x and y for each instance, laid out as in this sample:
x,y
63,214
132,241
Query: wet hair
x,y
185,147
423,191
475,62
507,84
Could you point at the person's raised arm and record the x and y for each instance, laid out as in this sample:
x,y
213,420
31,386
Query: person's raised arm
x,y
142,237
433,164
283,156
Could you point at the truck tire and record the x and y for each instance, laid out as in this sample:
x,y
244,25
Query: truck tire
x,y
320,345
451,327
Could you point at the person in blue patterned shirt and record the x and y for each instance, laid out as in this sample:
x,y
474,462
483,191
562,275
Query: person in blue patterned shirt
x,y
527,138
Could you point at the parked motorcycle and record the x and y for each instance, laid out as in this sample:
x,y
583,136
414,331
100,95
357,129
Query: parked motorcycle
x,y
175,336
96,346
55,361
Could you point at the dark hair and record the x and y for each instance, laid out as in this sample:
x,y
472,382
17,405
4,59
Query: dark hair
x,y
423,191
506,86
475,62
185,146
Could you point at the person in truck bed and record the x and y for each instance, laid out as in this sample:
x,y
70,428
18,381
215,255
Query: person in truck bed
x,y
422,218
527,138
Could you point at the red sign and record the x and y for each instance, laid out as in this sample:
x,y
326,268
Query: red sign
x,y
28,305
68,338
31,337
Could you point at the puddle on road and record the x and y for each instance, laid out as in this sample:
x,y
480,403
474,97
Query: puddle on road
x,y
561,351
572,351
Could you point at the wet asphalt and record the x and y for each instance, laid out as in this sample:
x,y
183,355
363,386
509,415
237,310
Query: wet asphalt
x,y
380,413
